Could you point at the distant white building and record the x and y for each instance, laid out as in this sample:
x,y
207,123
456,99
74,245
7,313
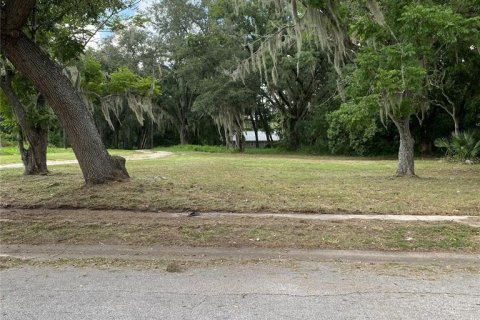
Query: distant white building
x,y
249,139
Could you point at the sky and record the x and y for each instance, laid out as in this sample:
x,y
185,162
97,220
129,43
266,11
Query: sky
x,y
96,41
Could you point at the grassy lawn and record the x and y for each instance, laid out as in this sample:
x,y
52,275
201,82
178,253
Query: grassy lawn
x,y
255,182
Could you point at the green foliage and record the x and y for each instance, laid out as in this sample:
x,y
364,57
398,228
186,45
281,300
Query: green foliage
x,y
352,126
7,118
65,27
92,75
423,50
124,80
461,147
35,107
436,23
392,76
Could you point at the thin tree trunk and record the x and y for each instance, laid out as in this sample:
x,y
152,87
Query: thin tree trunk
x,y
255,129
406,166
96,164
21,148
239,141
151,136
266,127
456,122
35,157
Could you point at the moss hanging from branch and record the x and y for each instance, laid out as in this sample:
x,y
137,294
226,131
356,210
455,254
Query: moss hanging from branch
x,y
321,25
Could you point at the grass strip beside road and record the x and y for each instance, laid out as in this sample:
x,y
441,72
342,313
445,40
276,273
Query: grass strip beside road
x,y
147,229
257,183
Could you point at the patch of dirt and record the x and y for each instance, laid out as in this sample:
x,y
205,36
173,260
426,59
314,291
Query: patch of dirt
x,y
139,155
144,216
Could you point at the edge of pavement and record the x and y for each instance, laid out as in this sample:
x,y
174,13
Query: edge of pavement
x,y
59,251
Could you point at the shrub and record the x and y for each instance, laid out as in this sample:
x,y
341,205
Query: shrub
x,y
461,147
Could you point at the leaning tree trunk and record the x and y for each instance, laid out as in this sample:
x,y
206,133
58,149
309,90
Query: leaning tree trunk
x,y
96,164
35,157
406,165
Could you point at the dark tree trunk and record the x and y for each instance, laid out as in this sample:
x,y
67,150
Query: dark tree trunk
x,y
184,136
96,164
151,135
142,137
239,141
266,127
293,134
35,157
253,118
425,141
406,165
21,148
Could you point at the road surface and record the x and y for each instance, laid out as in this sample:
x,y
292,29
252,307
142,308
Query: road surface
x,y
264,290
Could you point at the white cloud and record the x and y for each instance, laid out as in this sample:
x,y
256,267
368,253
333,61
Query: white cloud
x,y
96,41
144,4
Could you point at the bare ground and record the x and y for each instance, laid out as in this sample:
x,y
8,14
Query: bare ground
x,y
140,155
136,253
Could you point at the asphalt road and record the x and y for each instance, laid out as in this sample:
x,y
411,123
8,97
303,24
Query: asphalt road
x,y
302,290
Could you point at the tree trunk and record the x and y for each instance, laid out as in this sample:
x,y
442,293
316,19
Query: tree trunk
x,y
293,135
96,164
35,157
406,165
266,127
183,132
255,129
151,136
456,121
21,148
239,141
64,139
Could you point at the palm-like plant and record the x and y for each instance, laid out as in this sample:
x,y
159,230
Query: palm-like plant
x,y
462,146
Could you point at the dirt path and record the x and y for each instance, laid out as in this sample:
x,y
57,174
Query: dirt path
x,y
127,216
140,155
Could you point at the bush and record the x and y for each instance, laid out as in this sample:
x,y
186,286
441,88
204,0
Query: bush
x,y
461,147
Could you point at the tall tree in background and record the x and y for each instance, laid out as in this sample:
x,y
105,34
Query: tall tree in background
x,y
46,75
176,22
301,86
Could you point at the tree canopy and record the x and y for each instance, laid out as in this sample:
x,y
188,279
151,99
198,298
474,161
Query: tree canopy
x,y
337,76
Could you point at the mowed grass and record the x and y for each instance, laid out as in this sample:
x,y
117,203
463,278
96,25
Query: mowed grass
x,y
257,183
146,229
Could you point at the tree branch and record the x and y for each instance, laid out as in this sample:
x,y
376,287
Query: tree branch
x,y
14,16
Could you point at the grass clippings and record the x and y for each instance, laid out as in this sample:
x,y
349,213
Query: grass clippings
x,y
145,229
